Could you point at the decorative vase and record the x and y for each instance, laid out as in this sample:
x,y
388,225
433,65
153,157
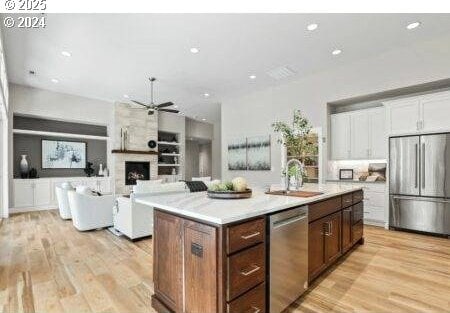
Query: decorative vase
x,y
24,167
100,170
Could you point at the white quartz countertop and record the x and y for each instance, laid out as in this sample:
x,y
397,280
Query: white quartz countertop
x,y
199,206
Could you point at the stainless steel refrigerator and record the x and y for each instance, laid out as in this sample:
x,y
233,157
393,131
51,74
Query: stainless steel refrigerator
x,y
419,172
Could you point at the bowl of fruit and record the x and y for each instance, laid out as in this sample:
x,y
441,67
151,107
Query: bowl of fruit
x,y
235,189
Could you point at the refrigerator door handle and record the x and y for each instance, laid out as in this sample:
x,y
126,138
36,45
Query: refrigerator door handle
x,y
423,166
416,166
437,200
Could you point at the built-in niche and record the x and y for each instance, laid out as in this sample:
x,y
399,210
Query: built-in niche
x,y
29,132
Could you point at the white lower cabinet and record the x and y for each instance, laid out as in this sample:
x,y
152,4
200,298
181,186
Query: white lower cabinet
x,y
375,201
39,193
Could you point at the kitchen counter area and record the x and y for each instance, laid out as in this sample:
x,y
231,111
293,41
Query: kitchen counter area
x,y
248,255
200,207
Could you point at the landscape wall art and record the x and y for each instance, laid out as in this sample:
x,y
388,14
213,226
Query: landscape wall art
x,y
251,153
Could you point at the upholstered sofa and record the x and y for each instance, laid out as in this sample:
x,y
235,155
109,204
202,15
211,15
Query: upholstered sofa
x,y
135,220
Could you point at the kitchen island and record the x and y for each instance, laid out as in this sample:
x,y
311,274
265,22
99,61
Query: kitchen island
x,y
213,255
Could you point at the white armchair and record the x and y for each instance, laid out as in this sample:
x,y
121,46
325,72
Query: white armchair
x,y
135,220
91,212
63,201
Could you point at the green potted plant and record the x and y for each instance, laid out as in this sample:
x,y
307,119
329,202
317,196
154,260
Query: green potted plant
x,y
296,139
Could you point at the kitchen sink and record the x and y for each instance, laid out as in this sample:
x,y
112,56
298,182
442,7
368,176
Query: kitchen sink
x,y
297,193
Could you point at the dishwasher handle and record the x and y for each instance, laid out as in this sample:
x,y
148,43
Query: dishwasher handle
x,y
289,220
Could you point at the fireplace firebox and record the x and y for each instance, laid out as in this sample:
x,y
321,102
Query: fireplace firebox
x,y
136,171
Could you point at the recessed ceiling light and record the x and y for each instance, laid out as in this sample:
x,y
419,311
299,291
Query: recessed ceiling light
x,y
413,25
194,50
312,26
126,96
336,51
203,119
206,95
252,76
55,81
66,53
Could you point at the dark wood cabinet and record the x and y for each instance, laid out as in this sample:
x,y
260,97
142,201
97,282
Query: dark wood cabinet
x,y
347,240
333,238
168,266
200,262
316,251
335,226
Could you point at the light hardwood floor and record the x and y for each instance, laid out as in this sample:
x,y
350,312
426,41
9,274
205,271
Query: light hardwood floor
x,y
48,266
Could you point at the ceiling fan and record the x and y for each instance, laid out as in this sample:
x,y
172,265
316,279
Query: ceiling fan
x,y
152,107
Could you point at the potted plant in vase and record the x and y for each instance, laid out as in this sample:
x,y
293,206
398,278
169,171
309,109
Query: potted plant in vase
x,y
298,145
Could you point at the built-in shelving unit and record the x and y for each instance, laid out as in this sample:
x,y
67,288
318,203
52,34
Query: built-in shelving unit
x,y
169,158
57,134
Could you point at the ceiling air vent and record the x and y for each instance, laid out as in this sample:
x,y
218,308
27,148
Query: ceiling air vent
x,y
281,72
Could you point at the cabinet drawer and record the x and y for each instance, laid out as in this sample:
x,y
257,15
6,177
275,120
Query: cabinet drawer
x,y
246,269
358,196
347,200
252,301
374,213
375,199
357,231
357,212
324,208
245,235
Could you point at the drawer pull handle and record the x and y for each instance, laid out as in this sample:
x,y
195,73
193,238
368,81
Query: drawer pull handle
x,y
255,309
250,235
253,270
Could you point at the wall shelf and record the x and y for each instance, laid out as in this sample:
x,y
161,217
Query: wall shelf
x,y
159,164
56,134
168,143
170,154
135,152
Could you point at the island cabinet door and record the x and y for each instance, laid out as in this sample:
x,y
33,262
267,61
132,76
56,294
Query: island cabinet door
x,y
333,238
200,267
168,260
316,247
346,229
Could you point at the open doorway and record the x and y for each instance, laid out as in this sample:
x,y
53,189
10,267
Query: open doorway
x,y
198,158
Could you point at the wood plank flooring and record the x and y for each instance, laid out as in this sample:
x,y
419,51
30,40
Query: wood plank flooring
x,y
48,266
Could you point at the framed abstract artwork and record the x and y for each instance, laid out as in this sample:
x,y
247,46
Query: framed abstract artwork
x,y
58,154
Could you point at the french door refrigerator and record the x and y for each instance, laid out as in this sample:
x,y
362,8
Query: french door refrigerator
x,y
419,183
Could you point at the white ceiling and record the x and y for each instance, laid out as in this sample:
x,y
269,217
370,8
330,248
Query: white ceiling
x,y
113,54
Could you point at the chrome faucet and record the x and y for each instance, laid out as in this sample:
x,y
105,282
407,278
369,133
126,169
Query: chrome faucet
x,y
300,165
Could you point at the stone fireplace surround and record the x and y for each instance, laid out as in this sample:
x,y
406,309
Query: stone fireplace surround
x,y
141,129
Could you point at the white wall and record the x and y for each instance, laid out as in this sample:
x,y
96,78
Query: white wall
x,y
252,114
53,105
216,152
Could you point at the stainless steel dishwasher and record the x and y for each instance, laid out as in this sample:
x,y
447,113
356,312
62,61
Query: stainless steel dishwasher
x,y
288,260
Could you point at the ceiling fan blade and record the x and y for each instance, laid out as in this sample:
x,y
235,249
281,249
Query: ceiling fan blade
x,y
140,103
169,110
163,105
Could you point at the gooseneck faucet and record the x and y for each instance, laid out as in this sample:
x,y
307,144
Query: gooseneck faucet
x,y
290,162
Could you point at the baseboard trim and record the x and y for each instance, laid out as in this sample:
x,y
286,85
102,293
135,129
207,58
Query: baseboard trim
x,y
33,209
374,223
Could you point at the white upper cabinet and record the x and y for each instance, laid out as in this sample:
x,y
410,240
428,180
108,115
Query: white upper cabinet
x,y
340,136
359,130
358,135
377,134
422,114
403,116
435,111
